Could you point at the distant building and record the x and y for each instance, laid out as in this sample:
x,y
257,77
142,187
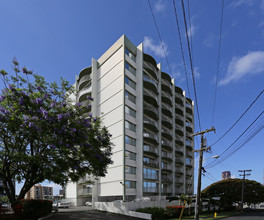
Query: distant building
x,y
40,192
226,175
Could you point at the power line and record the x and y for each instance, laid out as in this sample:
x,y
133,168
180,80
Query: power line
x,y
239,118
218,60
183,58
161,42
191,62
249,137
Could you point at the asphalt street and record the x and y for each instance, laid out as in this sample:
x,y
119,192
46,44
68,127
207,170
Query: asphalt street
x,y
248,216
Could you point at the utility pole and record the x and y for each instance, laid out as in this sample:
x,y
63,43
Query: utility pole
x,y
201,150
243,185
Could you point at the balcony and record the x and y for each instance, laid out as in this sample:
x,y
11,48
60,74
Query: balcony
x,y
87,191
166,77
189,134
166,98
179,150
150,150
150,110
189,173
178,111
166,109
189,110
166,121
188,143
166,133
179,130
179,170
179,161
166,190
150,124
178,138
166,155
166,178
150,97
166,86
151,176
84,81
166,144
150,83
178,106
153,164
179,180
150,190
166,167
151,69
150,137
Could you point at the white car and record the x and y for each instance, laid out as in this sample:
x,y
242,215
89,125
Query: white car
x,y
89,203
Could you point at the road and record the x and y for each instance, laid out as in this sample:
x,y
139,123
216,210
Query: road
x,y
86,213
248,216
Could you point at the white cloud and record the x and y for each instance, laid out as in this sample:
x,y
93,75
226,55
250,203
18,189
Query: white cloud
x,y
157,49
196,73
209,40
192,30
239,67
237,3
159,6
233,177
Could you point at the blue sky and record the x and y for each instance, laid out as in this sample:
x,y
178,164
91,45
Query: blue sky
x,y
59,38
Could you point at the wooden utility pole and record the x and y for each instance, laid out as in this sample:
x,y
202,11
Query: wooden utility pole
x,y
243,185
201,150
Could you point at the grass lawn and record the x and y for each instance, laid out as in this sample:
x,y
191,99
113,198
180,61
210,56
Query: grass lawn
x,y
210,216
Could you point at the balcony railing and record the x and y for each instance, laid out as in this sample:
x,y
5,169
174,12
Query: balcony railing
x,y
148,65
150,80
178,96
179,160
178,127
178,137
178,106
151,94
150,121
179,149
150,107
166,83
85,191
167,107
167,143
166,167
167,119
149,135
151,149
165,94
166,178
150,189
178,170
151,163
84,79
166,155
167,131
151,176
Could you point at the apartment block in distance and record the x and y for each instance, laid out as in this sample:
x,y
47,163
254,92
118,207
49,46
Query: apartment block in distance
x,y
226,175
39,192
151,122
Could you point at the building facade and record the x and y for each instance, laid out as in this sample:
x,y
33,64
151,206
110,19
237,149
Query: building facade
x,y
39,192
226,175
151,122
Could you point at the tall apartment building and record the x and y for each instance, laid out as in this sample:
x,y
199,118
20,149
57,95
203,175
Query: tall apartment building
x,y
151,122
226,175
39,192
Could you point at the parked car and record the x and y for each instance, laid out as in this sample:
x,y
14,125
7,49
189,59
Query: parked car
x,y
60,204
89,203
143,199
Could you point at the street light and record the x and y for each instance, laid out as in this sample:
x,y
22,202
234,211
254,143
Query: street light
x,y
215,156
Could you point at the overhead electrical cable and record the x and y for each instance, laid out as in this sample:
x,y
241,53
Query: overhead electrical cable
x,y
210,165
218,60
238,118
191,62
183,58
161,42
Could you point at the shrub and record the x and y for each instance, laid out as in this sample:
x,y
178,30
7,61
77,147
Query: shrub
x,y
33,209
173,211
157,212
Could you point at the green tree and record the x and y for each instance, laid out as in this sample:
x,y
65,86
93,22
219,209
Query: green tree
x,y
44,136
230,190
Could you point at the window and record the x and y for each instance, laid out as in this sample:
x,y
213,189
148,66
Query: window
x,y
130,82
150,187
130,111
130,140
130,155
150,173
130,68
130,126
130,54
130,97
130,170
131,184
